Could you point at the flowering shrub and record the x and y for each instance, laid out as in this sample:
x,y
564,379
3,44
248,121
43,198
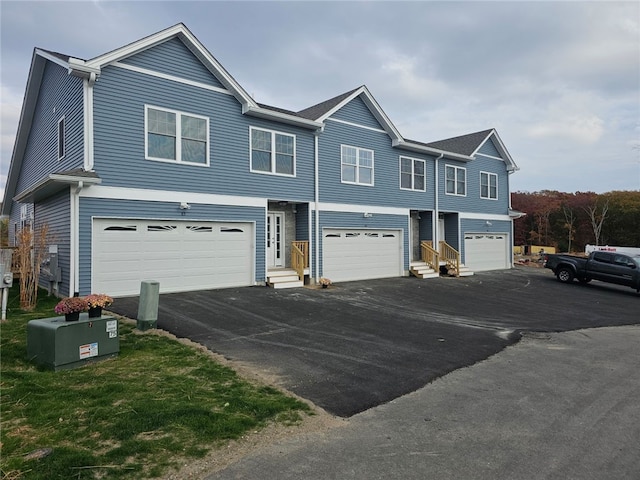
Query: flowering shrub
x,y
324,281
98,300
71,305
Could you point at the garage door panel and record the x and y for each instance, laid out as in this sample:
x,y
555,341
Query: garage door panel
x,y
181,256
486,251
358,254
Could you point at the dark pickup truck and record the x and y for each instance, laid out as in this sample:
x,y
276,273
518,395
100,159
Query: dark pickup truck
x,y
608,267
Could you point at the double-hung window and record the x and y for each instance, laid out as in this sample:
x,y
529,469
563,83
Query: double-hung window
x,y
455,180
357,165
176,136
273,152
488,185
412,174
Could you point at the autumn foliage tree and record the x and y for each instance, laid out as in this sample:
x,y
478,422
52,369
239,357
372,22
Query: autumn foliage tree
x,y
569,221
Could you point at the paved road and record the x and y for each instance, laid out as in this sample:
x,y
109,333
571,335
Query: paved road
x,y
362,344
562,406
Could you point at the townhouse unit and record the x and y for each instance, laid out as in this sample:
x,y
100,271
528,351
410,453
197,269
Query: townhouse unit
x,y
151,162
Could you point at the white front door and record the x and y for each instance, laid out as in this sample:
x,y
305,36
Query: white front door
x,y
440,235
275,239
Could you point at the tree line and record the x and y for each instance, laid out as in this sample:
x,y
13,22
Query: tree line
x,y
569,221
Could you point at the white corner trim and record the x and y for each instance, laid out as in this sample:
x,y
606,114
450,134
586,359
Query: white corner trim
x,y
123,193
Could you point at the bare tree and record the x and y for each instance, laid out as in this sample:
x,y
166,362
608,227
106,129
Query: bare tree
x,y
569,224
596,217
31,250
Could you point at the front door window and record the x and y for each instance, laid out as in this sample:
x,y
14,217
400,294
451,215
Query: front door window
x,y
275,239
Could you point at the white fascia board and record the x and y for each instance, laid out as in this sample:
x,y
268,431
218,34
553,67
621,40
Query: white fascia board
x,y
29,102
484,216
341,104
281,117
415,147
351,208
511,165
52,58
80,68
375,109
381,116
123,193
181,31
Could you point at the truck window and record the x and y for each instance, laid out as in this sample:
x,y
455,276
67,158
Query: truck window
x,y
602,257
622,260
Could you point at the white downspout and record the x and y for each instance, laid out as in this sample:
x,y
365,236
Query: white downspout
x,y
317,208
74,242
436,213
88,121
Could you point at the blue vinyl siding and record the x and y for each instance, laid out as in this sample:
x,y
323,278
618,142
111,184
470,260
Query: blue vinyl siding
x,y
357,112
386,189
357,220
468,225
451,234
472,201
93,207
60,95
489,149
302,221
55,213
120,97
174,58
426,226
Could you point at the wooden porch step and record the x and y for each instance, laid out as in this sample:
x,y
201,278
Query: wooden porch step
x,y
422,270
284,278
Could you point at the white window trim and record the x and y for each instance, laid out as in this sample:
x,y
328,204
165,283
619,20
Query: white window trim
x,y
178,115
373,163
413,173
455,181
273,152
61,138
489,175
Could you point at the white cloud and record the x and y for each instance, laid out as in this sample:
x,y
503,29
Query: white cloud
x,y
11,104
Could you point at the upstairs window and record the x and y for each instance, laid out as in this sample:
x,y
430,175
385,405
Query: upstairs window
x,y
272,152
357,165
412,174
489,185
455,180
176,137
61,140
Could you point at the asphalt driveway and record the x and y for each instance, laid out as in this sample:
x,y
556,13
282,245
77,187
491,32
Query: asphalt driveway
x,y
360,344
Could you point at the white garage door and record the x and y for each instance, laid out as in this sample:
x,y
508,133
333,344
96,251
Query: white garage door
x,y
180,255
486,251
360,254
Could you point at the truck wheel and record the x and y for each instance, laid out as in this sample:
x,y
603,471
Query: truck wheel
x,y
565,275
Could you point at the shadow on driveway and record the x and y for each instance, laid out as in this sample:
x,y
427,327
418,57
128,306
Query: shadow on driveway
x,y
360,344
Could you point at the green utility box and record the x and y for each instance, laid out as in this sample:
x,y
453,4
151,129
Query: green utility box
x,y
60,345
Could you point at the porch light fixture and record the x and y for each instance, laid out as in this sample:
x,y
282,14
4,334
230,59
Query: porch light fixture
x,y
488,223
184,206
368,215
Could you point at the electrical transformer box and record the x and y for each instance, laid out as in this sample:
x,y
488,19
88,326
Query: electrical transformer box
x,y
60,345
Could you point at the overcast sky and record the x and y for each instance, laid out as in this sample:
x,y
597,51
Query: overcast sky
x,y
560,81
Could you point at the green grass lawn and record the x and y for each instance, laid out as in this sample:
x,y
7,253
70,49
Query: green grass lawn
x,y
133,416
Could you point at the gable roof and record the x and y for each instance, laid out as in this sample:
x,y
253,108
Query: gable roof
x,y
470,144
